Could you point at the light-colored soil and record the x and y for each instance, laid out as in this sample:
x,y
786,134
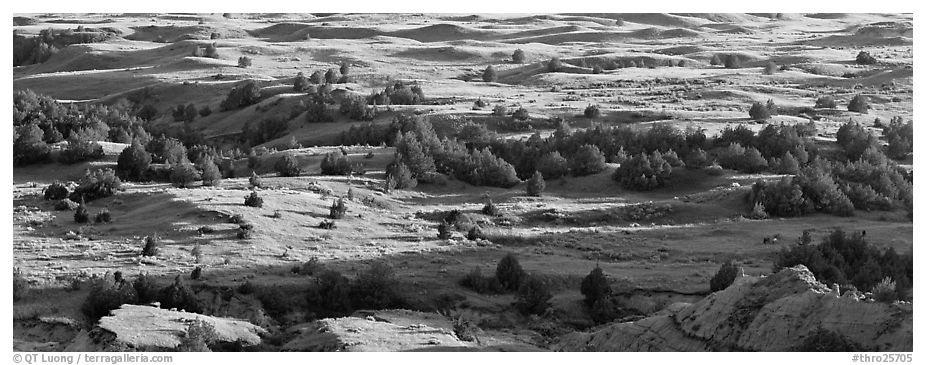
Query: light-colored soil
x,y
678,252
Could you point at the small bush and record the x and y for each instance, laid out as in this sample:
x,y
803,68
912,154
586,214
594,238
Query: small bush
x,y
81,216
97,184
885,291
517,56
244,61
725,276
859,104
179,295
336,163
103,216
533,296
254,180
338,209
56,191
732,61
865,58
287,166
444,230
490,75
825,101
490,209
105,296
184,174
500,110
592,112
253,200
595,286
66,204
587,160
475,233
509,273
197,273
521,114
198,337
475,281
326,224
554,64
20,285
759,111
152,246
536,185
376,287
770,68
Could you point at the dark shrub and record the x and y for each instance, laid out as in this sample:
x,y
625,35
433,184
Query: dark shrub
x,y
179,295
770,68
326,224
587,160
133,162
300,82
336,163
865,58
595,286
198,337
825,101
356,108
103,216
205,111
533,296
554,64
152,246
823,340
592,112
287,166
20,285
80,149
184,174
105,296
146,288
731,61
30,146
332,76
81,216
490,75
490,209
317,110
244,61
212,51
859,104
716,60
400,176
536,185
211,175
338,209
521,114
475,233
517,56
728,273
241,96
247,288
376,287
552,165
254,180
56,191
97,184
331,295
481,284
500,110
509,273
444,230
642,172
253,200
759,111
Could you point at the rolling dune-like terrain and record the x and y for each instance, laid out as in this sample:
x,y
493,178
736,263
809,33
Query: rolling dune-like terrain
x,y
661,182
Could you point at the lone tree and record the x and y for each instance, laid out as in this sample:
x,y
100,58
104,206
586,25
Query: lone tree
x,y
345,68
536,185
81,216
518,56
338,209
725,276
865,58
595,286
489,75
859,104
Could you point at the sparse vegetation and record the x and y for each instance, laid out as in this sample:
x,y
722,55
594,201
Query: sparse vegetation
x,y
254,200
